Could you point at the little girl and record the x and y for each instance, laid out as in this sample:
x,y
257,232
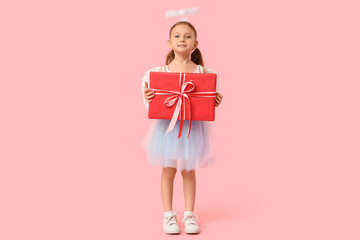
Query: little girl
x,y
165,148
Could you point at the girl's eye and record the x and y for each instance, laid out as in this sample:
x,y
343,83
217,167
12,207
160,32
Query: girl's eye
x,y
186,36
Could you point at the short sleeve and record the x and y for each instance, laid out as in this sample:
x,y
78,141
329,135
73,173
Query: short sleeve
x,y
144,79
210,70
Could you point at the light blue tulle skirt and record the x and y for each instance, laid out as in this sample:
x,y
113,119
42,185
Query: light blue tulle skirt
x,y
165,149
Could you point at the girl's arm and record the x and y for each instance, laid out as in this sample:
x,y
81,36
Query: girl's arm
x,y
146,78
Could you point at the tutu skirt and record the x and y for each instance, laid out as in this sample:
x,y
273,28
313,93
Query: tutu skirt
x,y
165,149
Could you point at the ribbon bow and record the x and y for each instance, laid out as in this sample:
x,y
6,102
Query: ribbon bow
x,y
180,97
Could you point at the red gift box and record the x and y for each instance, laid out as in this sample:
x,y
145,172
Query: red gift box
x,y
182,96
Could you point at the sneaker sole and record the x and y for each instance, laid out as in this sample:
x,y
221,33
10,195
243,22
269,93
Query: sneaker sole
x,y
173,233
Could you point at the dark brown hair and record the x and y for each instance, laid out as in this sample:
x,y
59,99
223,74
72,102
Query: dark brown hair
x,y
196,56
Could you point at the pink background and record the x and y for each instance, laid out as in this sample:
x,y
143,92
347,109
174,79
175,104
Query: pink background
x,y
72,118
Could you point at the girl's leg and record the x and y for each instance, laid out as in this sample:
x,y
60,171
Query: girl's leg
x,y
167,183
189,184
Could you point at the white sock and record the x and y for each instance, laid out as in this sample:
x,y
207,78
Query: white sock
x,y
168,213
188,212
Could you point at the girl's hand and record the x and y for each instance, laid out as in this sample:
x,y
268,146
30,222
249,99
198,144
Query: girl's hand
x,y
148,95
218,99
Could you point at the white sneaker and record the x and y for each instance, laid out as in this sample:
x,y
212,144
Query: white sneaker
x,y
191,225
170,224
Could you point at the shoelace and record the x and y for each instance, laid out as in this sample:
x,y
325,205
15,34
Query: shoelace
x,y
171,219
190,219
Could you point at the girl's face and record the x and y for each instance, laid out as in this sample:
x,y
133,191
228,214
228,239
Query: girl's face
x,y
182,39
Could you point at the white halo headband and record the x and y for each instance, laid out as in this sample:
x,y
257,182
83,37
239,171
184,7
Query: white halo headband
x,y
182,12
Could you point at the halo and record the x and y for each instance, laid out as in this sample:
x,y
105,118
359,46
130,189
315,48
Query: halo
x,y
182,12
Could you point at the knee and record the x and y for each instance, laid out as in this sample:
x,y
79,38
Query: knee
x,y
188,174
169,172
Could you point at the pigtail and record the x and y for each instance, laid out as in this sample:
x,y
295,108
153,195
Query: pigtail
x,y
196,57
170,56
